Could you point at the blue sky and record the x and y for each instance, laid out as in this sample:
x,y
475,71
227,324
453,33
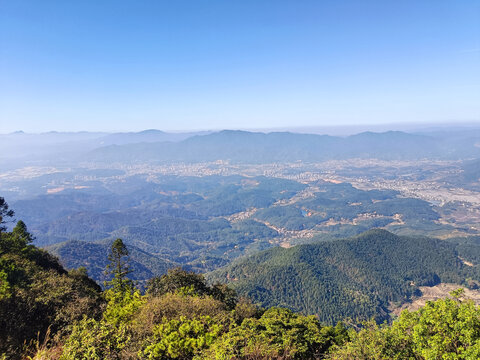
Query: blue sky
x,y
177,65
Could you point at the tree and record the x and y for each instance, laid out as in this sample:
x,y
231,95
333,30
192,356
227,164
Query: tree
x,y
175,280
110,336
118,267
4,213
178,280
17,240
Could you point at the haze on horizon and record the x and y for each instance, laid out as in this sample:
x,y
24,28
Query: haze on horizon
x,y
327,129
188,65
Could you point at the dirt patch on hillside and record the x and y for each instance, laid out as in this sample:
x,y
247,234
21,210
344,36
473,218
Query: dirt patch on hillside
x,y
432,293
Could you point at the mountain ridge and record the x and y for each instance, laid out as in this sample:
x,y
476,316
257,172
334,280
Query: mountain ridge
x,y
354,277
256,147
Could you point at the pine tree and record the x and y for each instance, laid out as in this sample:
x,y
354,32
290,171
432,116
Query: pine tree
x,y
4,213
119,268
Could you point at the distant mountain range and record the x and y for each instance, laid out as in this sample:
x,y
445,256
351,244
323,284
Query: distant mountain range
x,y
54,148
252,147
357,277
69,145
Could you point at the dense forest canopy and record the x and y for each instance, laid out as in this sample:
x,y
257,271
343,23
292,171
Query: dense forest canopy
x,y
359,277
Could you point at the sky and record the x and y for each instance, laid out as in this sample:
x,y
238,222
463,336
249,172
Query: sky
x,y
207,64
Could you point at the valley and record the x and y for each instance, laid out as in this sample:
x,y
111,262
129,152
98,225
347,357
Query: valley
x,y
206,215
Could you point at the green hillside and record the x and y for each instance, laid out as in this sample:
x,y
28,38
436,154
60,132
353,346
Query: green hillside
x,y
37,295
357,277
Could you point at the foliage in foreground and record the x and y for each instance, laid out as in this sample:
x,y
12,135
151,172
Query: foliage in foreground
x,y
37,296
184,325
195,321
444,329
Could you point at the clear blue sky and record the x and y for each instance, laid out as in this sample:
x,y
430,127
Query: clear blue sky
x,y
205,64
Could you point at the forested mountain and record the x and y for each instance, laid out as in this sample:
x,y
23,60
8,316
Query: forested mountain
x,y
37,295
357,277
